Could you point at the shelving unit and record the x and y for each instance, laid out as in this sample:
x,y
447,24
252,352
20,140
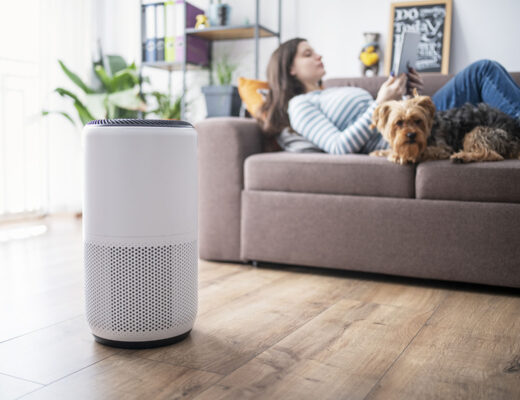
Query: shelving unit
x,y
219,33
169,66
231,33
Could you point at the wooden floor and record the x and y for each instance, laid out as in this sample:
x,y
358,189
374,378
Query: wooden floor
x,y
271,332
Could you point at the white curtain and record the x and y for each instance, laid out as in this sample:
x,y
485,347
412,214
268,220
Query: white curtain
x,y
40,158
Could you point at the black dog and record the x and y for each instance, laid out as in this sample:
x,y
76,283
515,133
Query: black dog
x,y
476,133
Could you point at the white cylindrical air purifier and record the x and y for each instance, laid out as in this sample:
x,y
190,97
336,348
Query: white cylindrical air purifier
x,y
140,231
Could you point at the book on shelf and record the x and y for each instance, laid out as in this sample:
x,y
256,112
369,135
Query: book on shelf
x,y
169,31
163,26
149,38
159,32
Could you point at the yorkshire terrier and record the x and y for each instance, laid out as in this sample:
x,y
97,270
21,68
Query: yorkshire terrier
x,y
416,132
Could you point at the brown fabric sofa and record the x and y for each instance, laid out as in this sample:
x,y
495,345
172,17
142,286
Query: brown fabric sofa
x,y
434,220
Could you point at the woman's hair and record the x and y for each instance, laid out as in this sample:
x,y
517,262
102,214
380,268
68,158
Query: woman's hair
x,y
283,86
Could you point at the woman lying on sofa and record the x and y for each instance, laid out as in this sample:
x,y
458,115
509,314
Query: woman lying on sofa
x,y
336,120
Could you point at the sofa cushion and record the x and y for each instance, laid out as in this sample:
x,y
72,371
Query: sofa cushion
x,y
483,181
352,174
248,89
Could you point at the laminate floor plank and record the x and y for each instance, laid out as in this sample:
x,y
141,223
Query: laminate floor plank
x,y
41,277
51,353
22,316
470,348
214,296
215,272
121,377
340,354
400,295
226,338
13,388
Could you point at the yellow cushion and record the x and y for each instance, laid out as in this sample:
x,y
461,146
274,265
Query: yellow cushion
x,y
248,91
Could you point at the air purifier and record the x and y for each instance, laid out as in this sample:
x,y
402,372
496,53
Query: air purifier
x,y
140,231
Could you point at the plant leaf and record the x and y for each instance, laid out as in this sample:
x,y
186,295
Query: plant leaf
x,y
74,78
127,99
168,108
111,109
224,71
95,103
125,79
64,92
108,82
84,114
115,64
45,113
105,79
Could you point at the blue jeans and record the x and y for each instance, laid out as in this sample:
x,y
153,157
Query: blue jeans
x,y
483,81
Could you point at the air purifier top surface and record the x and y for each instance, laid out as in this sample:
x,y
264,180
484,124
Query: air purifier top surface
x,y
141,122
140,180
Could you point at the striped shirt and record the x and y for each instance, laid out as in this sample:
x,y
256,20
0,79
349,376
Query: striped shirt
x,y
336,120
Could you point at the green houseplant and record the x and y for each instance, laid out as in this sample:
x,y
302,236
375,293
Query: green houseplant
x,y
115,94
222,99
224,71
167,108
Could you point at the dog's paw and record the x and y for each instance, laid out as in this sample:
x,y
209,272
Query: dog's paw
x,y
468,156
461,157
395,158
457,159
380,153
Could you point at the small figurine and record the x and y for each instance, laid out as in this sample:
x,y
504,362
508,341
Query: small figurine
x,y
202,22
370,54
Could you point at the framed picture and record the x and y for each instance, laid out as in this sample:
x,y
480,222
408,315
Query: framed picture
x,y
432,19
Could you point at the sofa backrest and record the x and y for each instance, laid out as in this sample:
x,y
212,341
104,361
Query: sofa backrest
x,y
432,82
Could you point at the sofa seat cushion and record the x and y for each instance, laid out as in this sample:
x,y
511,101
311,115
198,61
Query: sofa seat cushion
x,y
352,174
482,181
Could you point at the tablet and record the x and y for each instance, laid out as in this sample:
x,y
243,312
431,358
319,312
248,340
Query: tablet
x,y
406,54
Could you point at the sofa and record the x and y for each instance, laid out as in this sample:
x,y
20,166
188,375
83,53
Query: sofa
x,y
433,220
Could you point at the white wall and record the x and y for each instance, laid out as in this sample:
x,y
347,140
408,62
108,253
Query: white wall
x,y
480,29
486,29
40,158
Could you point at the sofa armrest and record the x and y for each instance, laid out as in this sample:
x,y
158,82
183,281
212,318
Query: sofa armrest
x,y
223,144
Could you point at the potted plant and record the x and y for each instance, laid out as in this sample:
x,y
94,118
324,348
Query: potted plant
x,y
222,99
116,94
166,108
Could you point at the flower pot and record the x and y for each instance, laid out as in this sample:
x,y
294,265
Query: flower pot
x,y
222,101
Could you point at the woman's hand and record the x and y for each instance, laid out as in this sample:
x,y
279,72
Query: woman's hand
x,y
414,81
392,89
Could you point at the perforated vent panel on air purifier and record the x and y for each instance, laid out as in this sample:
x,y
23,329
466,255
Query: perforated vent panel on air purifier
x,y
140,289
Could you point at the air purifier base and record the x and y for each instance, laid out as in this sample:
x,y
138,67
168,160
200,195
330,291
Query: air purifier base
x,y
141,345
